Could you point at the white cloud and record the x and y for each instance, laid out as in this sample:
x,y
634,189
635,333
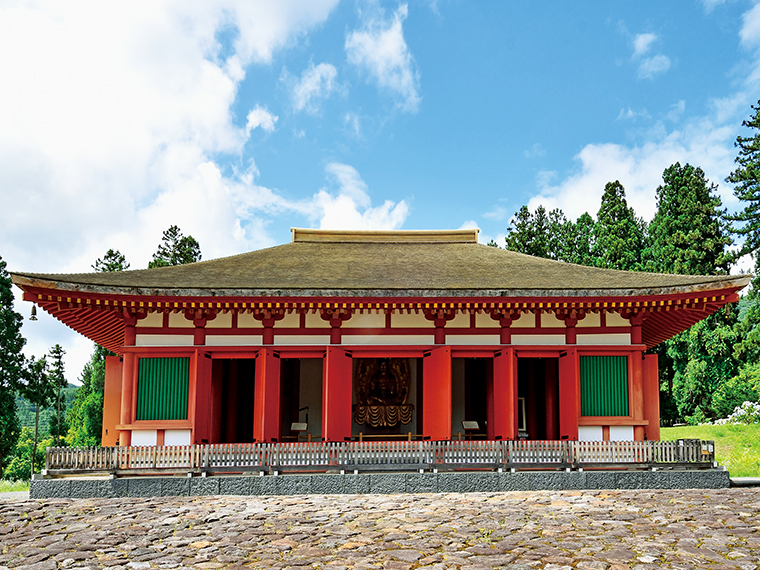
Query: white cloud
x,y
380,49
316,82
498,213
112,122
639,168
652,66
351,208
711,4
642,43
260,117
676,110
750,32
352,121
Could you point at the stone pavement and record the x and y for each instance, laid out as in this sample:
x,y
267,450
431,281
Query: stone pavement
x,y
550,530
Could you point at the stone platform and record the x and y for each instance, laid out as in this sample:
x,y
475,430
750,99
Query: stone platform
x,y
376,483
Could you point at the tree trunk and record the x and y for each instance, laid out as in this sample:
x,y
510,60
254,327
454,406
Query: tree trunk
x,y
36,429
58,420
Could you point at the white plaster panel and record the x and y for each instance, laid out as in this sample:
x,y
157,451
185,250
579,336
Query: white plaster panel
x,y
538,339
410,320
177,437
550,320
589,433
621,433
246,321
152,320
484,321
164,340
315,321
488,339
233,340
526,320
365,321
287,340
178,320
222,321
289,321
615,320
603,339
461,320
144,437
590,320
387,339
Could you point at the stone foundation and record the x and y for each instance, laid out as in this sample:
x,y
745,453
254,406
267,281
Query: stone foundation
x,y
376,483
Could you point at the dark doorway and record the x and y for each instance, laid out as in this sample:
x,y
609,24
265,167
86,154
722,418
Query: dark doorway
x,y
232,394
538,398
475,394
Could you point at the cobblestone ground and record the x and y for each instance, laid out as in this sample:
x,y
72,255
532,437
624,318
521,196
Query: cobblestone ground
x,y
549,530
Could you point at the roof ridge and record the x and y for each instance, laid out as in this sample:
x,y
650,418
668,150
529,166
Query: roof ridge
x,y
306,235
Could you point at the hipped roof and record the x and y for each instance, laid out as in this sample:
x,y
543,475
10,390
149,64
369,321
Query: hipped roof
x,y
380,264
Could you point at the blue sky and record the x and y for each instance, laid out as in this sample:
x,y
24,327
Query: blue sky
x,y
239,120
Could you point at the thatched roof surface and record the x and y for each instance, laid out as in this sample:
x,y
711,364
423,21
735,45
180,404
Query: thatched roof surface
x,y
387,264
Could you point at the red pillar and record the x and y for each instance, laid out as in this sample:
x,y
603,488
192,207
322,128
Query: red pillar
x,y
637,393
569,394
505,394
266,401
436,403
651,382
200,397
489,400
128,380
337,390
112,401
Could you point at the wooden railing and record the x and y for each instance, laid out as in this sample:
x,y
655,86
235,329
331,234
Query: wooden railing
x,y
382,455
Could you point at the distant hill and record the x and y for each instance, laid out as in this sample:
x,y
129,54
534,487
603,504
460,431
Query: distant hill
x,y
26,410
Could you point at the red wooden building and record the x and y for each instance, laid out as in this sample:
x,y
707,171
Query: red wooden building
x,y
344,335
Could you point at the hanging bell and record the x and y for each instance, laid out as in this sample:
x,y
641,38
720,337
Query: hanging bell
x,y
34,313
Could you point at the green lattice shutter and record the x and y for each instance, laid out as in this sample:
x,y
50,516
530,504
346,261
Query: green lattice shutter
x,y
604,385
162,388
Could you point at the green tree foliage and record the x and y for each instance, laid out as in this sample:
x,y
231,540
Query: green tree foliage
x,y
86,413
580,241
703,363
746,180
57,378
175,249
689,233
11,365
20,466
618,233
113,260
36,387
540,234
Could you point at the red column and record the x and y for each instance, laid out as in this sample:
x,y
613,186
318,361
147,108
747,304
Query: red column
x,y
112,401
199,406
128,380
337,390
569,394
651,382
436,403
489,400
637,393
266,402
505,394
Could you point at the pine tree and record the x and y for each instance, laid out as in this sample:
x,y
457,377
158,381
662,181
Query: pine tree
x,y
688,234
580,241
618,235
113,260
175,249
58,380
746,179
11,366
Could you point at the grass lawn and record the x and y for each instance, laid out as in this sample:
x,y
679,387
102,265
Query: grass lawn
x,y
9,486
736,446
